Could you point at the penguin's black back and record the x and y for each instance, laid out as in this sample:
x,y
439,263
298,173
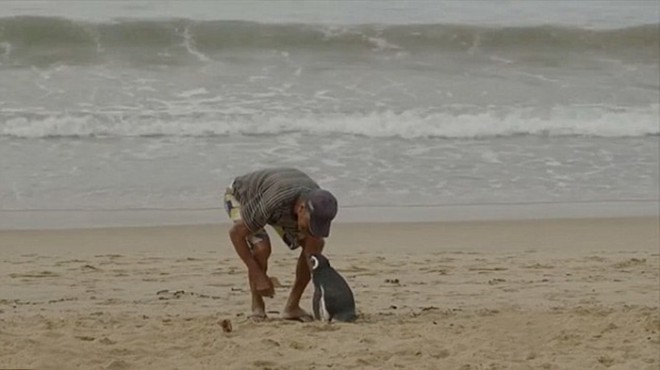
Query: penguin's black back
x,y
338,297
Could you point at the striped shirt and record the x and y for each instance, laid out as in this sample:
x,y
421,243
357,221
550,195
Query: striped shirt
x,y
268,197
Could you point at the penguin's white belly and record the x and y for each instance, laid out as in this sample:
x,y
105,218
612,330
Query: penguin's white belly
x,y
325,316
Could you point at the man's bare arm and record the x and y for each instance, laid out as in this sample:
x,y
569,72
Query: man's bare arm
x,y
238,235
310,246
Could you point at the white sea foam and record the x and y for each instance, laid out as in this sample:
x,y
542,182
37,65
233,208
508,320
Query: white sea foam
x,y
561,121
193,92
189,44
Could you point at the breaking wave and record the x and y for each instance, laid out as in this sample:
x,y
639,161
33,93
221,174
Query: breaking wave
x,y
29,40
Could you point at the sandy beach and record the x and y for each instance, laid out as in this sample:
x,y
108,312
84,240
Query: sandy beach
x,y
533,294
495,165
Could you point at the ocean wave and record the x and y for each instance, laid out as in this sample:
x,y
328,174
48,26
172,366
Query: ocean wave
x,y
28,40
561,121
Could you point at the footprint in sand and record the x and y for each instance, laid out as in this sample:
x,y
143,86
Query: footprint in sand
x,y
107,341
487,269
270,342
89,268
118,365
607,361
38,274
111,256
435,270
496,281
264,364
85,338
438,354
66,262
538,266
630,263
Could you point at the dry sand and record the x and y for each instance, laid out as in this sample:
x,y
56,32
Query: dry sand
x,y
535,294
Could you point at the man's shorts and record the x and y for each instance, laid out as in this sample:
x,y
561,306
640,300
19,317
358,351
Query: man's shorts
x,y
233,209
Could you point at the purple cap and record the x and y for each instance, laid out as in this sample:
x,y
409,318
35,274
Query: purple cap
x,y
322,207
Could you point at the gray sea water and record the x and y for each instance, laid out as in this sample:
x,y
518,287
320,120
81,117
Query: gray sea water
x,y
110,106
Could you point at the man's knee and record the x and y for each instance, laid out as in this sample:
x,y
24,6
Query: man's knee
x,y
261,250
259,237
263,247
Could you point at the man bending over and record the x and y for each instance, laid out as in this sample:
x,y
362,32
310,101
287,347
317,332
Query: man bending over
x,y
299,211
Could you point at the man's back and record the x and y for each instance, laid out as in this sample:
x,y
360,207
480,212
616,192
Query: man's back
x,y
272,181
268,195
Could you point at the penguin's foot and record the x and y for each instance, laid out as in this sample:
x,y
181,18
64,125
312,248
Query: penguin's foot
x,y
297,314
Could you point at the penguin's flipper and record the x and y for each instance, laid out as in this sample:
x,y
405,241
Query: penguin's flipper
x,y
339,301
333,298
316,301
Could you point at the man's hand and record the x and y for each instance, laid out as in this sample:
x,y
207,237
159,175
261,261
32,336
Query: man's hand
x,y
261,283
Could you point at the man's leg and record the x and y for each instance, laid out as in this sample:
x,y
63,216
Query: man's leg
x,y
292,309
261,251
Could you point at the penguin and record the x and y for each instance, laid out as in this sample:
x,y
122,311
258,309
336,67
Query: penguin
x,y
333,298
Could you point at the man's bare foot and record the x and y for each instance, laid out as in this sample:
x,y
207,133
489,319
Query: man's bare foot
x,y
297,314
258,316
258,308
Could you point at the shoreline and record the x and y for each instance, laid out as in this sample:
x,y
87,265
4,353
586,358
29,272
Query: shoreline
x,y
562,235
76,219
